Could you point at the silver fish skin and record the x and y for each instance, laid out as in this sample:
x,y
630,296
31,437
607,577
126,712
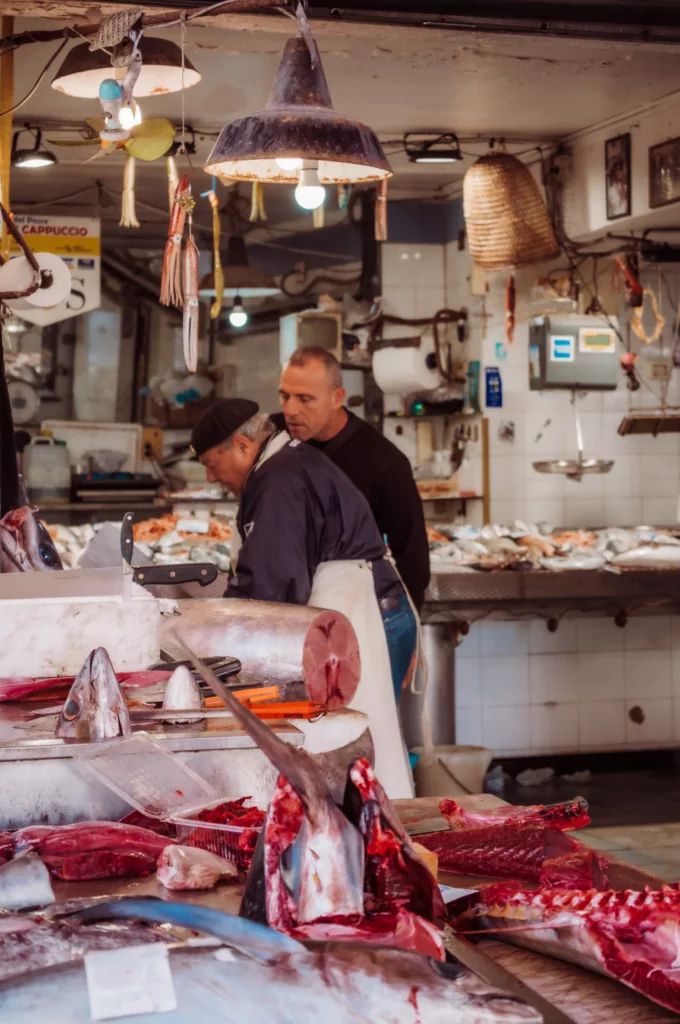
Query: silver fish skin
x,y
25,882
25,544
327,837
95,708
182,694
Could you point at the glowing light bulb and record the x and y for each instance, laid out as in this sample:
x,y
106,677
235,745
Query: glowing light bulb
x,y
237,315
291,163
130,116
310,193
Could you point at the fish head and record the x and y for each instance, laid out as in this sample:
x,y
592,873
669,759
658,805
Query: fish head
x,y
95,708
25,544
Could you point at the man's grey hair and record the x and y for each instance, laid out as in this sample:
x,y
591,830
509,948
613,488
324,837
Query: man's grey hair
x,y
258,428
311,353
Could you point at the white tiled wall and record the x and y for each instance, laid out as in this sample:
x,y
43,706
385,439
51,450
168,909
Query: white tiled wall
x,y
523,690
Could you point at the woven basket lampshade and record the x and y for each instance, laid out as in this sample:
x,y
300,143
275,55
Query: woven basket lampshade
x,y
506,220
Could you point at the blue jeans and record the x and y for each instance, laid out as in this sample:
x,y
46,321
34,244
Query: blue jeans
x,y
402,636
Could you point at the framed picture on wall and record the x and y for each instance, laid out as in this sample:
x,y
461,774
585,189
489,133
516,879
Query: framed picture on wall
x,y
664,173
617,173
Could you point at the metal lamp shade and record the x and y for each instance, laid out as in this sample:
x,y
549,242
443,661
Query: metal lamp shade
x,y
298,122
239,278
83,70
506,220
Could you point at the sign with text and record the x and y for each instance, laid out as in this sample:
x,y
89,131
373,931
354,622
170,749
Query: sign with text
x,y
77,241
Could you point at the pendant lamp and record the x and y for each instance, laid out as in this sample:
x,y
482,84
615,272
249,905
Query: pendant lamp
x,y
83,70
298,126
506,220
239,277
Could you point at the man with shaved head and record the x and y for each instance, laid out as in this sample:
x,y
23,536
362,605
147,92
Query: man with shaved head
x,y
312,401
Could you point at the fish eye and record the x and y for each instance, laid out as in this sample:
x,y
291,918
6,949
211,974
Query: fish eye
x,y
47,551
71,709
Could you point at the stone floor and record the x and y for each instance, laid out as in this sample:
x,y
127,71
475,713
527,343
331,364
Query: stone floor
x,y
656,848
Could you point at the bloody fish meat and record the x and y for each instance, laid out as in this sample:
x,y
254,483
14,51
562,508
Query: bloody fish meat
x,y
93,849
564,816
626,935
25,544
528,852
6,847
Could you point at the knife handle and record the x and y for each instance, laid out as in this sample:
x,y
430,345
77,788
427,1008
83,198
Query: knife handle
x,y
165,575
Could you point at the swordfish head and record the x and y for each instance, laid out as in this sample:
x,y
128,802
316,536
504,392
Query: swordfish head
x,y
95,708
25,544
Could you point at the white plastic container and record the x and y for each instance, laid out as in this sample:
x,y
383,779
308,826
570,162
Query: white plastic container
x,y
47,471
455,771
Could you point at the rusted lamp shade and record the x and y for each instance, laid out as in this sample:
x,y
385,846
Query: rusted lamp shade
x,y
239,277
83,70
506,220
299,122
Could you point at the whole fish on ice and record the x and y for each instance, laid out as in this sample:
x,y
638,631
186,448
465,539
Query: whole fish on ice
x,y
95,708
273,979
25,544
181,694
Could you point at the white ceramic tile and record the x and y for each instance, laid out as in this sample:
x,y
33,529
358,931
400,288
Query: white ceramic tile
x,y
612,444
583,511
555,726
591,427
648,675
546,510
506,728
660,511
544,433
505,681
598,634
500,447
622,512
506,511
429,300
616,401
648,633
662,445
498,638
602,724
469,645
400,301
542,641
675,631
675,666
660,476
504,478
468,683
657,726
543,485
469,727
553,677
601,676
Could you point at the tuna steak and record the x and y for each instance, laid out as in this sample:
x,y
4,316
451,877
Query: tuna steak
x,y
95,708
25,544
530,853
565,816
626,935
93,849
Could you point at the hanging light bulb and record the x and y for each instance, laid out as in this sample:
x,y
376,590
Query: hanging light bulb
x,y
310,193
237,315
286,163
130,116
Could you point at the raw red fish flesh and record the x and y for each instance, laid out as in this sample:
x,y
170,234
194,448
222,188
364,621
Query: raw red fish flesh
x,y
565,816
232,812
157,825
18,687
627,935
400,930
181,868
93,849
6,847
525,852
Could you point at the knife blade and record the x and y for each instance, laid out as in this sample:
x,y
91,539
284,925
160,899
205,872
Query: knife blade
x,y
164,575
494,974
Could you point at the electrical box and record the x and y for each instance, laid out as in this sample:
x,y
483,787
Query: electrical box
x,y
309,329
573,352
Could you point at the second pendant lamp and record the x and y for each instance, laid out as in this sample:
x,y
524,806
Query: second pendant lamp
x,y
298,133
239,277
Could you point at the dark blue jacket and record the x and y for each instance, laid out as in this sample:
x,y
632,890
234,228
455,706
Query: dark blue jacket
x,y
298,510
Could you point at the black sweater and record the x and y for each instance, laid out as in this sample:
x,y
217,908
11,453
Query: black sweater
x,y
383,474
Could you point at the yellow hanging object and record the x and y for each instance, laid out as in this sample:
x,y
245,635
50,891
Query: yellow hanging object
x,y
257,210
381,211
128,216
638,326
319,216
216,307
173,179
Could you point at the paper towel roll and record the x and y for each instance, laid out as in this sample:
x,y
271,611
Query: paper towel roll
x,y
398,371
16,275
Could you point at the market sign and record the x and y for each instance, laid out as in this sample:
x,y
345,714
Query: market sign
x,y
77,240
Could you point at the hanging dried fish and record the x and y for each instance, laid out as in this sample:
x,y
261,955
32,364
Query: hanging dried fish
x,y
216,307
171,280
128,214
257,210
510,303
190,321
173,179
381,211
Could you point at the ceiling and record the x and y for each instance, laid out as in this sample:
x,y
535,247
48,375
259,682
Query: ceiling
x,y
396,80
